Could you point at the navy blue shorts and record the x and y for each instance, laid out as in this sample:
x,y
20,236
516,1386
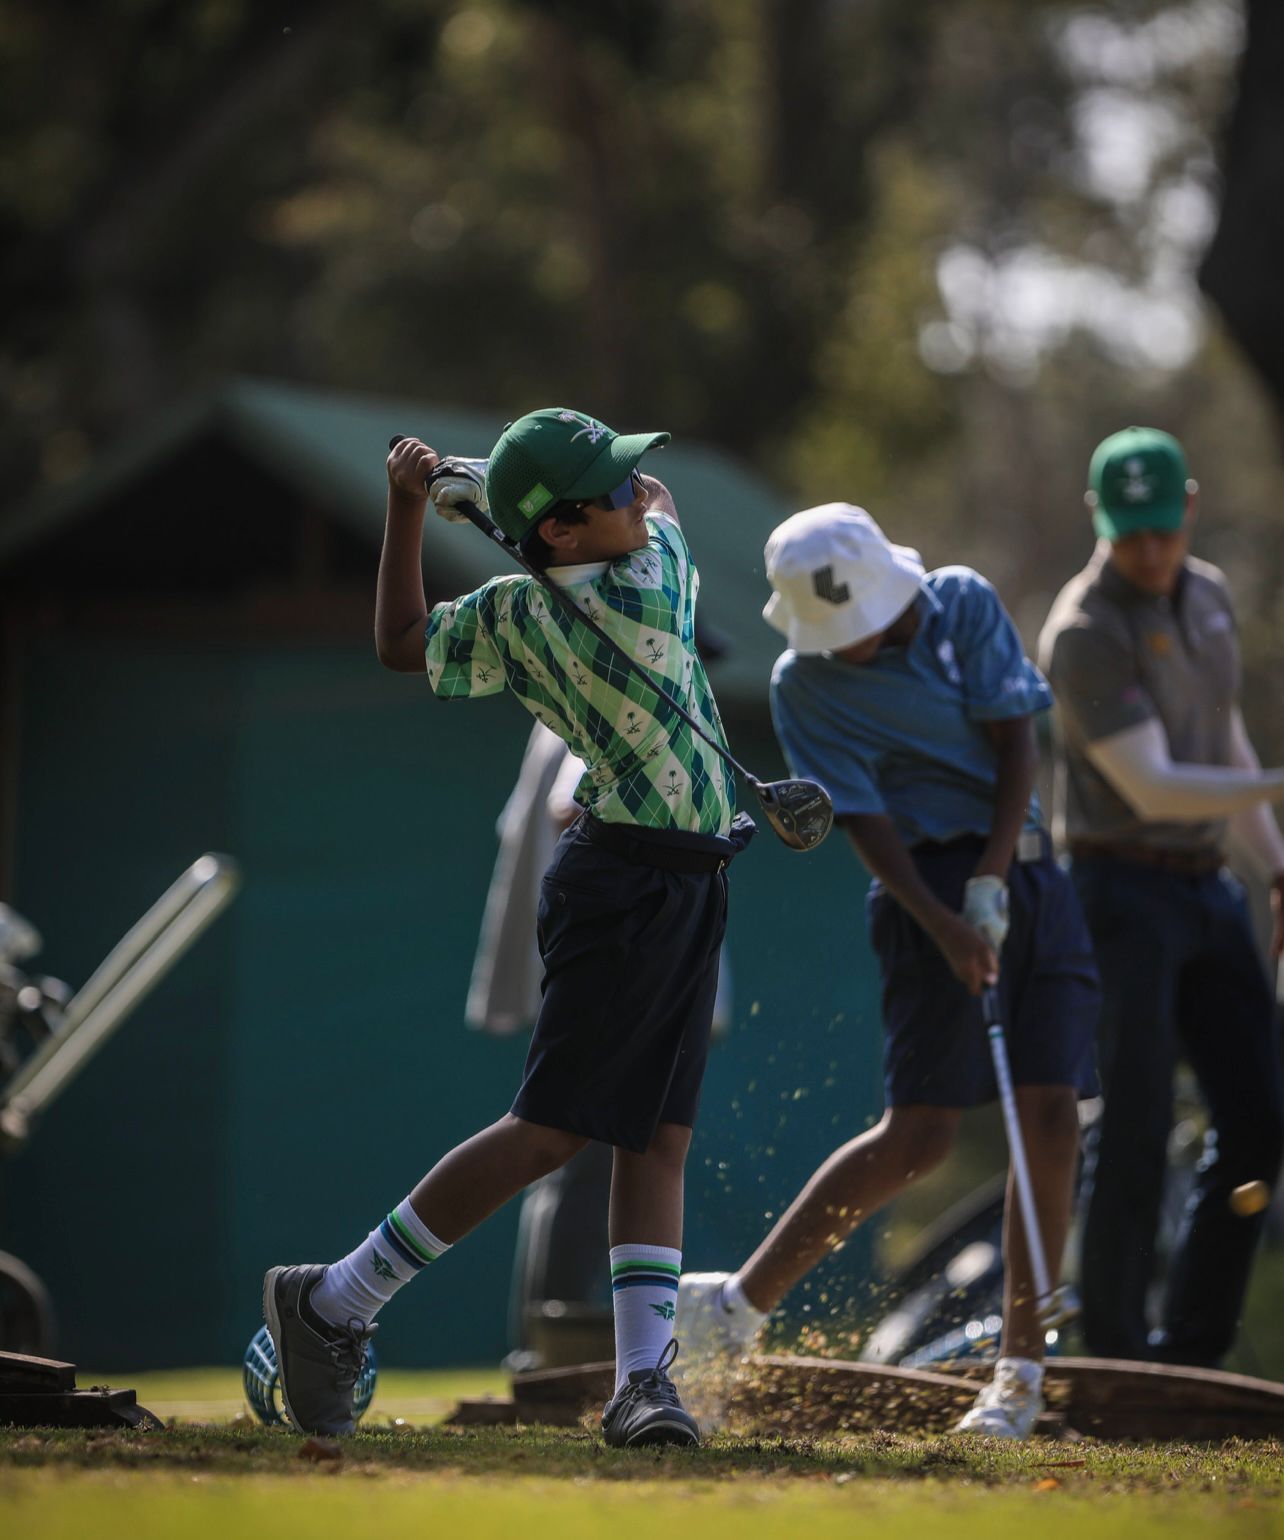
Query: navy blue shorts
x,y
936,1052
630,954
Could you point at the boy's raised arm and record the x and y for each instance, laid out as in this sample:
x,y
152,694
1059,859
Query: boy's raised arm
x,y
401,610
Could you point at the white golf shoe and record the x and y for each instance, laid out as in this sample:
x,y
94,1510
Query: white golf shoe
x,y
714,1343
1009,1406
708,1328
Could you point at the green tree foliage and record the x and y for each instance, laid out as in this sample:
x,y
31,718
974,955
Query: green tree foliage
x,y
916,256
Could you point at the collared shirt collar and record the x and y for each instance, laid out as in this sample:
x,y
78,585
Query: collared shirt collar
x,y
578,572
927,600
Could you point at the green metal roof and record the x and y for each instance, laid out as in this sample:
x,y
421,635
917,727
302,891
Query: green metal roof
x,y
333,445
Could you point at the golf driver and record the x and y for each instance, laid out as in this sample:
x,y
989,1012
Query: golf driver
x,y
800,812
1051,1305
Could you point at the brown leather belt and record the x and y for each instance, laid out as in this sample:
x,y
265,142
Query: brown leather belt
x,y
1193,863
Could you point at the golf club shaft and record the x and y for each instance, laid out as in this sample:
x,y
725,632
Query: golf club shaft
x,y
1016,1147
569,606
478,519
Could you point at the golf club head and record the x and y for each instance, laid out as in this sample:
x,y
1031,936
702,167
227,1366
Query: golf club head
x,y
799,811
1059,1307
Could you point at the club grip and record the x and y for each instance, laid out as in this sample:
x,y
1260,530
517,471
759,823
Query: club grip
x,y
395,440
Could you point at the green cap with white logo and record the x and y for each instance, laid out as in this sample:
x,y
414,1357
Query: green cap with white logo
x,y
1137,480
557,455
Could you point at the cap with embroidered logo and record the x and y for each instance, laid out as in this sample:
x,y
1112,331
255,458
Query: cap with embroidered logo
x,y
837,578
1137,479
557,455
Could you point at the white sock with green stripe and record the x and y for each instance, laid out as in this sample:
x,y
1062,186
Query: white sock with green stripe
x,y
644,1289
366,1279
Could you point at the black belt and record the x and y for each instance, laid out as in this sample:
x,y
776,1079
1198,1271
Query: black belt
x,y
1193,863
669,850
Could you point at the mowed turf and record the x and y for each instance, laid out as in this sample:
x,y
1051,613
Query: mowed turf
x,y
208,1476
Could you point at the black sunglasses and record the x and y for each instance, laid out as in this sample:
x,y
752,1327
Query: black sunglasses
x,y
617,497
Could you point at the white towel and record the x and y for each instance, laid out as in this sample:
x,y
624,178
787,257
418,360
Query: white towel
x,y
503,997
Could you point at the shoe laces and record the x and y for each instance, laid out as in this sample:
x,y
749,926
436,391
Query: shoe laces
x,y
657,1386
348,1351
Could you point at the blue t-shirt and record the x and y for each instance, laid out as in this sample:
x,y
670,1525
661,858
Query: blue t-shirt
x,y
904,735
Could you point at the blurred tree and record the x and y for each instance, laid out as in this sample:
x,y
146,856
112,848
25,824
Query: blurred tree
x,y
114,136
1242,268
921,257
214,188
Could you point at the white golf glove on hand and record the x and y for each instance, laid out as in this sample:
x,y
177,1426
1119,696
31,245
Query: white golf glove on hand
x,y
985,908
464,481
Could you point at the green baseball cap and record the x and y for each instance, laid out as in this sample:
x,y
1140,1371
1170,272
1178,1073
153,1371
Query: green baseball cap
x,y
557,455
1137,480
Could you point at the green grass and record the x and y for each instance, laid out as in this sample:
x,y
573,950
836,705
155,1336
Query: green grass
x,y
215,1474
202,1507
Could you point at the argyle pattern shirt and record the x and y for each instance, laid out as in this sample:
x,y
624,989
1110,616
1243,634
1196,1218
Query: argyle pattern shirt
x,y
645,765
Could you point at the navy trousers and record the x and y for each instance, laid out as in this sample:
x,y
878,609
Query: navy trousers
x,y
1182,978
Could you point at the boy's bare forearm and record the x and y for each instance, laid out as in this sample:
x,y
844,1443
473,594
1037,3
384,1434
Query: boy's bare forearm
x,y
969,954
401,610
1018,762
884,854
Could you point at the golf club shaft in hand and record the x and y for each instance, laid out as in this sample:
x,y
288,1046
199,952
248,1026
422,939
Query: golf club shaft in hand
x,y
1016,1149
800,812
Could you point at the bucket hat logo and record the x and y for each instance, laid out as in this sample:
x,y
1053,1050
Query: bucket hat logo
x,y
824,587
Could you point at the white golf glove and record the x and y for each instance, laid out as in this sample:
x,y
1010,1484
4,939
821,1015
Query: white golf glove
x,y
985,908
464,481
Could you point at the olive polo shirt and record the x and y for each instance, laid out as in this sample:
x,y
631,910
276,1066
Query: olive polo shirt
x,y
1116,657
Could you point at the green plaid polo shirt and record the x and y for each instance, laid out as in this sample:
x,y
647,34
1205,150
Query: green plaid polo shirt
x,y
645,765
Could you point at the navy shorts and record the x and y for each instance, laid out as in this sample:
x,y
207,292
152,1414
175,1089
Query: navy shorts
x,y
630,952
936,1052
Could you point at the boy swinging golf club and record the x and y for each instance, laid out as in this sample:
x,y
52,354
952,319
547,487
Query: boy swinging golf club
x,y
632,909
908,695
799,812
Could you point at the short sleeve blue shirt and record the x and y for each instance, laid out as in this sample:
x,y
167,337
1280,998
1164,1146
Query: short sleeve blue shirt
x,y
904,735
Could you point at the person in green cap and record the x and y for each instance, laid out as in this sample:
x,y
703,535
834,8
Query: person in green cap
x,y
1155,773
632,908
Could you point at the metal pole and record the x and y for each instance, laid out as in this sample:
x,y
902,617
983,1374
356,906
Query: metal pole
x,y
138,961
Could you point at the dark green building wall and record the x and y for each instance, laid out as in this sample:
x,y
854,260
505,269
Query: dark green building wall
x,y
307,1060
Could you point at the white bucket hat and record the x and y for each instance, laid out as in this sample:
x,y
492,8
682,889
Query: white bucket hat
x,y
837,578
